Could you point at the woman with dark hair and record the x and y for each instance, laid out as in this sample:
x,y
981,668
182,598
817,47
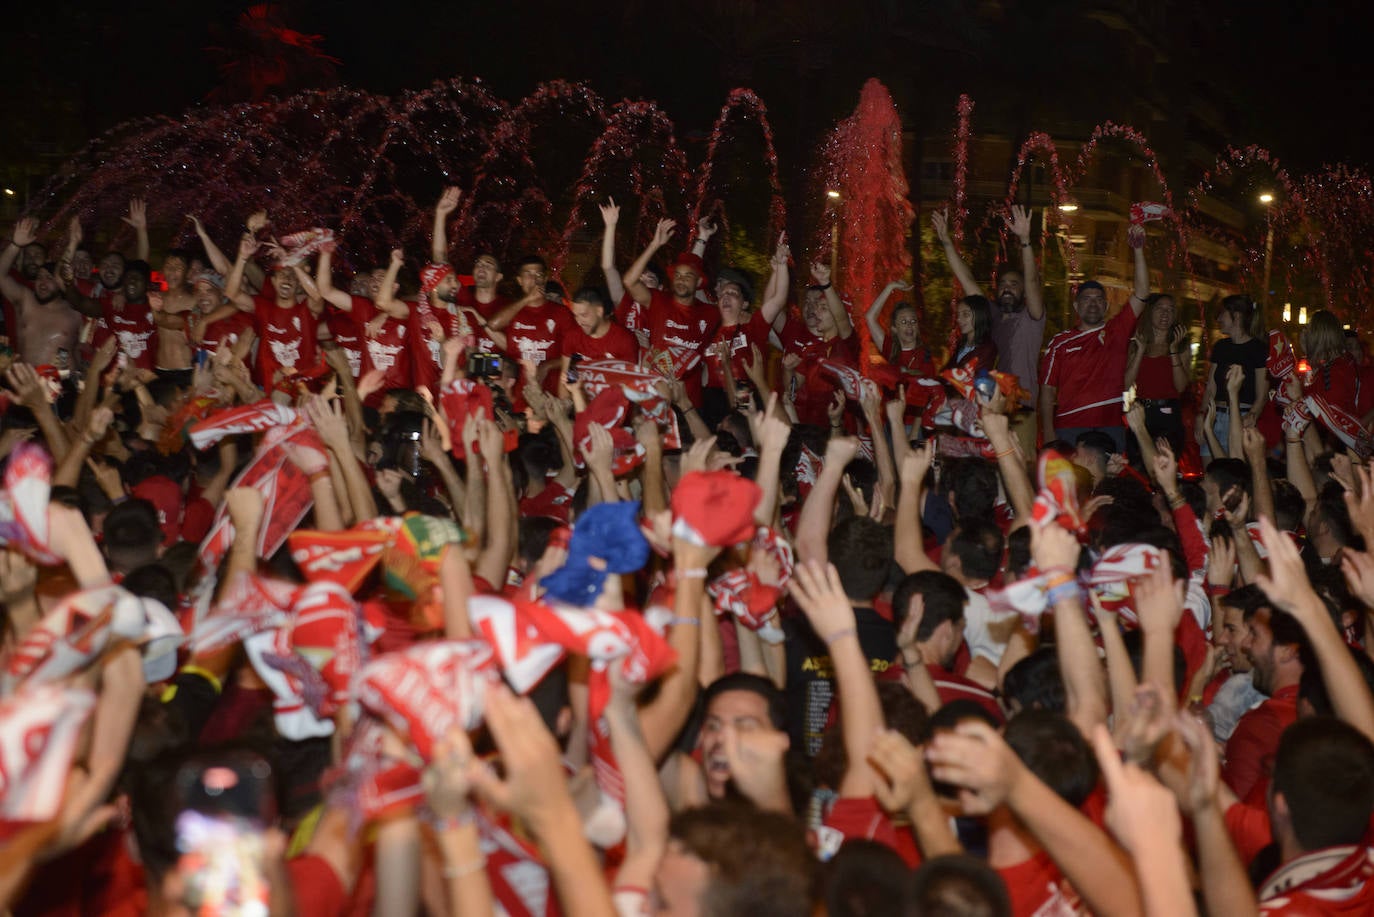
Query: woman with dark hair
x,y
1242,343
973,316
900,343
1159,365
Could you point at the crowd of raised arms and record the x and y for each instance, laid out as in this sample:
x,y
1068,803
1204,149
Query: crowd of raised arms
x,y
324,595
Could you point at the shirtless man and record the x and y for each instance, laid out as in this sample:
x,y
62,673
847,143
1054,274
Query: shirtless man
x,y
47,325
171,312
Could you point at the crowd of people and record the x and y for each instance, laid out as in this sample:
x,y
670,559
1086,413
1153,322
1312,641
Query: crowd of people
x,y
389,593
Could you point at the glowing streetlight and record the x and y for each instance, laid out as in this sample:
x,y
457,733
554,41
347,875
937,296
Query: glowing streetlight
x,y
833,194
1302,315
1068,208
1266,198
9,192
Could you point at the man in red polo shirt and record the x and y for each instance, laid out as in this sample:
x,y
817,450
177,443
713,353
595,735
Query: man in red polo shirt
x,y
825,332
679,324
1273,643
1083,369
534,326
928,610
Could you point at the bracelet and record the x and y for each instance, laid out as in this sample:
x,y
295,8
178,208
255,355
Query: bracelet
x,y
1059,579
676,620
465,869
691,573
820,287
1213,589
319,476
1177,501
1004,453
1025,245
1069,590
841,634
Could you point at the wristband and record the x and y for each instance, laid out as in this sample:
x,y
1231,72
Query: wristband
x,y
692,621
319,476
458,870
841,634
691,573
819,287
1069,590
1177,501
1213,589
1025,245
1004,453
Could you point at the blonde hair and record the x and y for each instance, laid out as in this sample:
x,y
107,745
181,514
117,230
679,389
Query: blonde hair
x,y
1323,340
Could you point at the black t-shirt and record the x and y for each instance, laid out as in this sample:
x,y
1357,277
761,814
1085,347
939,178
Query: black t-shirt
x,y
1252,355
811,676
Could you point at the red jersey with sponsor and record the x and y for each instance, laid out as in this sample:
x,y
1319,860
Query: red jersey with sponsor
x,y
387,350
346,328
287,338
631,315
1251,749
741,337
226,331
815,388
1088,368
132,325
615,344
916,362
682,330
467,298
536,334
863,819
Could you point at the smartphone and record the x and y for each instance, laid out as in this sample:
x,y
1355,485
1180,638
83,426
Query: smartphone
x,y
226,804
572,367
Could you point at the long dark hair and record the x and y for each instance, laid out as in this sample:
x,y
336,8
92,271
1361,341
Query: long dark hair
x,y
1247,312
982,320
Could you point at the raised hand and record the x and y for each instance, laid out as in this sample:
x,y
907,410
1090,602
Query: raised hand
x,y
1156,601
1166,466
939,219
74,235
706,229
820,272
820,595
248,246
1019,221
663,232
840,451
1286,584
901,771
450,777
782,254
977,760
1139,808
25,232
610,212
138,214
917,462
534,789
1053,546
448,201
256,221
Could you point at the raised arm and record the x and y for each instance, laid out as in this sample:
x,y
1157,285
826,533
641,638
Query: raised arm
x,y
233,283
940,220
817,589
24,234
1055,550
637,290
875,327
820,273
610,218
324,281
1020,491
1030,272
138,219
977,759
1287,586
448,202
908,549
502,509
779,282
813,526
386,300
1140,288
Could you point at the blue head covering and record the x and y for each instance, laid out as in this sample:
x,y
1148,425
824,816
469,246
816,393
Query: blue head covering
x,y
609,532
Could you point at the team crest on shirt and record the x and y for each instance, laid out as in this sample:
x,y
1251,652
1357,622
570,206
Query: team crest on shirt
x,y
550,324
702,326
296,322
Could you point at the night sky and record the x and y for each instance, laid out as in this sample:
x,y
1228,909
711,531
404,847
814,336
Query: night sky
x,y
1294,80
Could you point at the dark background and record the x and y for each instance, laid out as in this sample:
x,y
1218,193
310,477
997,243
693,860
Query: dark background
x,y
1294,80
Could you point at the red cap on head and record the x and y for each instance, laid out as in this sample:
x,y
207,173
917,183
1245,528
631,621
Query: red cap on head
x,y
431,276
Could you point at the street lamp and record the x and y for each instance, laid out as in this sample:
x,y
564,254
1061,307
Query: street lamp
x,y
1266,199
834,204
1068,207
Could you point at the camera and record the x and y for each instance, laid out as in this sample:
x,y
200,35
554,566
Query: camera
x,y
484,365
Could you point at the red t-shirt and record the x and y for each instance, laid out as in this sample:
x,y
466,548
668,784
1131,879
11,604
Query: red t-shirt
x,y
467,298
1088,368
631,315
753,333
316,887
682,330
615,344
346,328
287,338
864,819
133,327
1250,750
916,361
536,334
1036,887
816,387
1155,379
387,350
226,331
951,686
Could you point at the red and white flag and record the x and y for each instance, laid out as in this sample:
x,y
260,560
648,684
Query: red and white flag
x,y
39,731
